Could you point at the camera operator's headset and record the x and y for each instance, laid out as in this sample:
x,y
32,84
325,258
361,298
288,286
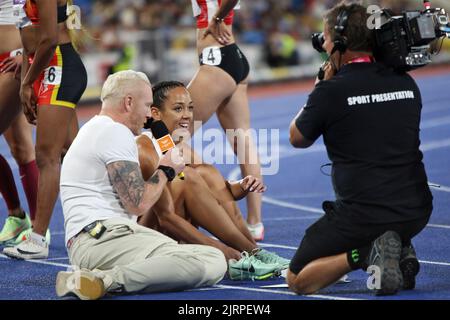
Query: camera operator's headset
x,y
340,41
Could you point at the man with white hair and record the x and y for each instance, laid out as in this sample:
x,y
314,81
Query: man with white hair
x,y
103,193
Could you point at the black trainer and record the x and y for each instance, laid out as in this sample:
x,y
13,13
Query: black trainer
x,y
385,254
410,267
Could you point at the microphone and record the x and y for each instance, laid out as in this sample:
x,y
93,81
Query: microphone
x,y
162,136
148,123
321,73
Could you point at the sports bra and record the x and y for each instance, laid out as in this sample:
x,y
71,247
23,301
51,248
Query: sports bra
x,y
32,12
204,11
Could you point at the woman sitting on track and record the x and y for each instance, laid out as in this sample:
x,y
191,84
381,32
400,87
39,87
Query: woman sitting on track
x,y
220,87
204,198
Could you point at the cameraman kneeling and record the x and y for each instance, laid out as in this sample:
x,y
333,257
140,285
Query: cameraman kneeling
x,y
369,118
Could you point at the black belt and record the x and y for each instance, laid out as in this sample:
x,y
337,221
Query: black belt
x,y
95,230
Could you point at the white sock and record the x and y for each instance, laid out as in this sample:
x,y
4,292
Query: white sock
x,y
256,225
37,238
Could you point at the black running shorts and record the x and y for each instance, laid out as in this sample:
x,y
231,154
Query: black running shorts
x,y
229,58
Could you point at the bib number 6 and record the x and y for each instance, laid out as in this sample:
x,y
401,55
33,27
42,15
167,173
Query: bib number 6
x,y
53,75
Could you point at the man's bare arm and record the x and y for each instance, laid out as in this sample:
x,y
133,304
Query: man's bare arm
x,y
136,195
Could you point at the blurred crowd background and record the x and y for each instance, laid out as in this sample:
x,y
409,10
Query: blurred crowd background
x,y
158,36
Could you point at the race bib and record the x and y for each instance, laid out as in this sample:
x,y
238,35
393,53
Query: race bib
x,y
53,75
15,53
212,56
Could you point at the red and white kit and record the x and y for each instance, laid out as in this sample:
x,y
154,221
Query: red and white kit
x,y
204,11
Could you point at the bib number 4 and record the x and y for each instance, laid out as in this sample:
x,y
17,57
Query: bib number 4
x,y
212,56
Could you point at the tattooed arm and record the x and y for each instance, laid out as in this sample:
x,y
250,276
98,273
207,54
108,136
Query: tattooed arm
x,y
136,195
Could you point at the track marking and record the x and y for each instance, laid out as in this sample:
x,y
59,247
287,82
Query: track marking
x,y
271,245
291,218
439,187
317,296
444,226
434,122
60,258
204,289
436,144
435,263
55,264
286,204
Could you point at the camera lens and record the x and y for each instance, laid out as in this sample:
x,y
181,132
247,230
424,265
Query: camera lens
x,y
318,41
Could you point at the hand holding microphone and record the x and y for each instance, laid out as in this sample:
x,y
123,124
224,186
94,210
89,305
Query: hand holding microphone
x,y
326,72
165,142
172,164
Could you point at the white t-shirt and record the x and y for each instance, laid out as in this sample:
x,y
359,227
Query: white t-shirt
x,y
86,192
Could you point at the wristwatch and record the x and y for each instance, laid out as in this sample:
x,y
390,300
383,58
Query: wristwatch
x,y
168,171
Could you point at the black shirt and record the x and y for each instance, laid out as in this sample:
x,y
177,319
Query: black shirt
x,y
369,117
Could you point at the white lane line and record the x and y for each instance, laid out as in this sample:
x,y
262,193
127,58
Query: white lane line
x,y
305,195
283,285
291,218
434,122
41,262
438,187
444,226
435,263
60,258
289,293
286,204
271,245
205,289
437,144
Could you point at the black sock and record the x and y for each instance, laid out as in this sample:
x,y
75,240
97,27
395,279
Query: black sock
x,y
23,215
356,258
